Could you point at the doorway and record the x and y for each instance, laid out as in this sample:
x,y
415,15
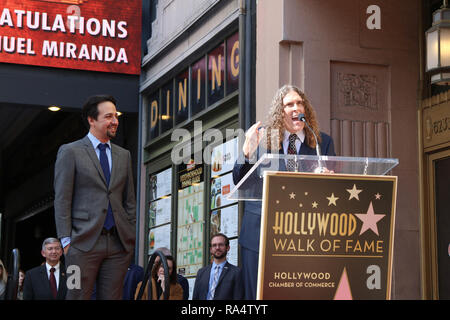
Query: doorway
x,y
29,235
442,209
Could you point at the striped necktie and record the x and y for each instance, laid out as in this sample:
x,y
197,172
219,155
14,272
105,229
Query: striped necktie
x,y
292,149
214,284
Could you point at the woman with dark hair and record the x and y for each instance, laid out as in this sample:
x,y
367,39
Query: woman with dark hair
x,y
283,133
20,287
158,282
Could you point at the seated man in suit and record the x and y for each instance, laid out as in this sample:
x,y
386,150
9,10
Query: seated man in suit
x,y
286,134
220,280
47,281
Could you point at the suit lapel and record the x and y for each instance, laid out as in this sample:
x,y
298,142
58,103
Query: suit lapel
x,y
62,280
93,156
223,274
114,160
306,150
44,281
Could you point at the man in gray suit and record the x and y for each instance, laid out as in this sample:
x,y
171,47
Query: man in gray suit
x,y
95,206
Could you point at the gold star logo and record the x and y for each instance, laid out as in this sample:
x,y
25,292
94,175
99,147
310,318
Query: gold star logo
x,y
332,200
291,195
315,204
354,193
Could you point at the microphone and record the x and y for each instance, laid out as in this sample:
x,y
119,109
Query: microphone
x,y
301,117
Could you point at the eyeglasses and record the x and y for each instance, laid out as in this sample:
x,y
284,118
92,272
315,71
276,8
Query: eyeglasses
x,y
218,245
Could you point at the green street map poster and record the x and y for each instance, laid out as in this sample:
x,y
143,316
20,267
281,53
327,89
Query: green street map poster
x,y
326,236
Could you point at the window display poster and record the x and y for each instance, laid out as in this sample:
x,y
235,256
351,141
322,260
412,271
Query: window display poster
x,y
223,157
160,184
191,282
160,211
233,255
220,189
225,221
159,237
190,230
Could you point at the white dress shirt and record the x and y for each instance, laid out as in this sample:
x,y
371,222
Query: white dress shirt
x,y
57,268
298,142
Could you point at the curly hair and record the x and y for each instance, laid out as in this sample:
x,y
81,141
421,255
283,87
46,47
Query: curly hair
x,y
275,120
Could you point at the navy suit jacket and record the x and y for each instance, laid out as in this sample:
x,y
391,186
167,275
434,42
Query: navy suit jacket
x,y
229,286
36,285
250,227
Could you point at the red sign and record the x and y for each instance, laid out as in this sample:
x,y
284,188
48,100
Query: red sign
x,y
96,35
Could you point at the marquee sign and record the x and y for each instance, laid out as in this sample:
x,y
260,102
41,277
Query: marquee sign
x,y
202,84
74,34
326,236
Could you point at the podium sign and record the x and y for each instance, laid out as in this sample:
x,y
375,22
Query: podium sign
x,y
326,236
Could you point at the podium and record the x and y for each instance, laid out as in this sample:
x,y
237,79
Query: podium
x,y
327,226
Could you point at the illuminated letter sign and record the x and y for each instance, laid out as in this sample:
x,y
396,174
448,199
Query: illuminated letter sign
x,y
74,34
216,66
154,115
167,107
181,94
233,63
198,86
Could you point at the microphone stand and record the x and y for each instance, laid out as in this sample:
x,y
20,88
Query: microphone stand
x,y
301,117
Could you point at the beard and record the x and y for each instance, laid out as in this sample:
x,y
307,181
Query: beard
x,y
220,255
111,133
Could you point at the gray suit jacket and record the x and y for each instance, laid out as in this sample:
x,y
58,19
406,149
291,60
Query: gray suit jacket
x,y
82,196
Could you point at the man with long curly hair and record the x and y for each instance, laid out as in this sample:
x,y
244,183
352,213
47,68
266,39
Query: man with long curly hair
x,y
283,133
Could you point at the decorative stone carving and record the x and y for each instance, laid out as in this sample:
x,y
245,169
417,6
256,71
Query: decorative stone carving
x,y
357,90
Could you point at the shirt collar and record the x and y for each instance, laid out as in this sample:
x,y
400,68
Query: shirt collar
x,y
300,134
221,265
49,267
95,142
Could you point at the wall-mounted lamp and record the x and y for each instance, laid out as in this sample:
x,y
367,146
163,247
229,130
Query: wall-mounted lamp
x,y
54,108
438,46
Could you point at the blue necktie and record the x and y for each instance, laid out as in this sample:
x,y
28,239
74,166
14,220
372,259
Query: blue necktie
x,y
214,284
109,222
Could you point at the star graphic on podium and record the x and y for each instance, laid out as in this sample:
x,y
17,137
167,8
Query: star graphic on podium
x,y
369,220
354,192
291,195
332,200
314,205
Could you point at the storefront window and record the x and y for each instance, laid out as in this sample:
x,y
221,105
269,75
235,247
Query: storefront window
x,y
191,221
224,214
160,210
